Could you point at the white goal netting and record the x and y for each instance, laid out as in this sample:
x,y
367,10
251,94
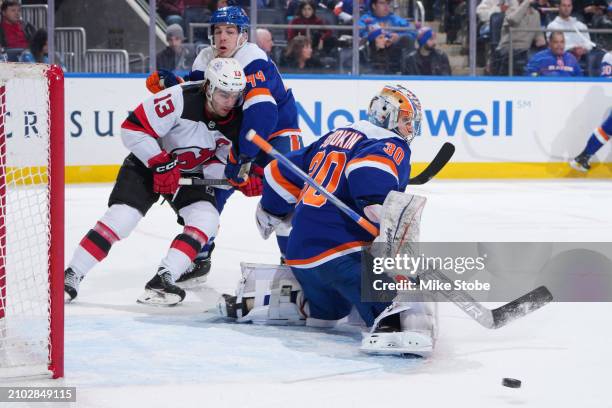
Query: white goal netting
x,y
25,221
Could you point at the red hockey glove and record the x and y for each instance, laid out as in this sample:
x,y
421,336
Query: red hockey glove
x,y
166,173
253,186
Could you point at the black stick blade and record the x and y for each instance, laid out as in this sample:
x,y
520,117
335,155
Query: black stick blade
x,y
444,155
522,306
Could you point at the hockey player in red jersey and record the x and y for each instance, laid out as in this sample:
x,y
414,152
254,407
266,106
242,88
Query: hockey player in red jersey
x,y
360,164
269,107
185,131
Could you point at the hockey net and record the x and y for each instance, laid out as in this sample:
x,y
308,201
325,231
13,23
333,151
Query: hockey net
x,y
31,220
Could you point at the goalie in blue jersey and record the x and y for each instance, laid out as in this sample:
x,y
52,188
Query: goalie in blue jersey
x,y
359,164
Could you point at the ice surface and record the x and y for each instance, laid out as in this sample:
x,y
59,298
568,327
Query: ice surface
x,y
122,354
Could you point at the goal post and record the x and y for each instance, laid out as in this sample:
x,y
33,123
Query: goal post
x,y
31,220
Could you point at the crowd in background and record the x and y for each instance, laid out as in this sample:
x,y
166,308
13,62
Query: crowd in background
x,y
551,39
392,42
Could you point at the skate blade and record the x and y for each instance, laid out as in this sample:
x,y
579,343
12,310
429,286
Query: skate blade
x,y
424,352
194,283
397,344
155,298
68,298
574,165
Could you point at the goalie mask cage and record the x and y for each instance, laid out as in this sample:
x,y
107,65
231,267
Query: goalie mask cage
x,y
31,220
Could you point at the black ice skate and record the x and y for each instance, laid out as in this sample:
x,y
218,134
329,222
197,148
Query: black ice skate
x,y
197,273
581,162
71,285
161,290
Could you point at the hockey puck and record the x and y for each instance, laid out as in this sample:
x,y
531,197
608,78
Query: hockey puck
x,y
511,382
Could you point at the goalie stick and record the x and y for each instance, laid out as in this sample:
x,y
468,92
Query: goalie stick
x,y
491,319
444,155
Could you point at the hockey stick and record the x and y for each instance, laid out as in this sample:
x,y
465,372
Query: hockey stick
x,y
267,147
202,182
488,318
444,155
492,318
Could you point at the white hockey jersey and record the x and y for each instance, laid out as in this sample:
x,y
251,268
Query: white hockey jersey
x,y
175,120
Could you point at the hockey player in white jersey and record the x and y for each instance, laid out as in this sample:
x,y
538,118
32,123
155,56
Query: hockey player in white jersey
x,y
360,164
269,107
185,131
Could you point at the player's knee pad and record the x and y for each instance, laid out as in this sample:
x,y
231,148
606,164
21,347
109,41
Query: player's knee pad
x,y
121,219
269,294
202,216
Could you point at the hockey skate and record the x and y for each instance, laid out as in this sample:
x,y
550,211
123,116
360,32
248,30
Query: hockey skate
x,y
581,163
402,329
71,285
161,290
197,273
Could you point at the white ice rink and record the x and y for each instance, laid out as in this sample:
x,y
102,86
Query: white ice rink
x,y
121,354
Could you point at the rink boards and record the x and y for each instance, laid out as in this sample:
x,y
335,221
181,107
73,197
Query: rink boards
x,y
513,128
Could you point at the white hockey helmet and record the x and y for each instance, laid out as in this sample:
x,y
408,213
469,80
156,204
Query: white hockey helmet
x,y
392,102
225,74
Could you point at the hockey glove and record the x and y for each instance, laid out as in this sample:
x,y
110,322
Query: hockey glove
x,y
237,170
254,185
266,222
166,173
162,79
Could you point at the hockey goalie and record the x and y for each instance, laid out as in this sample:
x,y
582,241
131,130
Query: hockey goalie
x,y
365,165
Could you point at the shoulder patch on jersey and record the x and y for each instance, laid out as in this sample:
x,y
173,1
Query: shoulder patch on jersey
x,y
248,53
372,131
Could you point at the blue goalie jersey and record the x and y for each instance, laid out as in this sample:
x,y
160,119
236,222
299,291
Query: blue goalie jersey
x,y
360,164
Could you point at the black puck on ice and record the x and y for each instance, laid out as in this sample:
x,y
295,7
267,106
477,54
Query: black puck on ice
x,y
511,382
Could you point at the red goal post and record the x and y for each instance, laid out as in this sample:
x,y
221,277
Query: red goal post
x,y
31,220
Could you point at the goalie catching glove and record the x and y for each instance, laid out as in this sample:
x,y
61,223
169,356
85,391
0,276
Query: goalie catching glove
x,y
166,173
266,222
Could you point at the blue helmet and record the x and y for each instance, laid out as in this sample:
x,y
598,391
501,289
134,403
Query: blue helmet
x,y
233,15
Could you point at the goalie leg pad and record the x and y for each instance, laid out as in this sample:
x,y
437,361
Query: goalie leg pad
x,y
266,294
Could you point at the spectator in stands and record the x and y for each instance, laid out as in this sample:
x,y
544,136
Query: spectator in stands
x,y
376,57
427,60
380,14
486,8
603,21
576,43
522,17
299,56
307,15
554,61
176,56
214,5
14,33
39,52
171,11
264,40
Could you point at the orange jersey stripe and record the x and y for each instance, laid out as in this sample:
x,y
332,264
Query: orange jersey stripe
x,y
257,92
282,181
329,252
283,131
378,159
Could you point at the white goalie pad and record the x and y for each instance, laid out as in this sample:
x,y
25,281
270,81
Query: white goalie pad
x,y
269,294
400,224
